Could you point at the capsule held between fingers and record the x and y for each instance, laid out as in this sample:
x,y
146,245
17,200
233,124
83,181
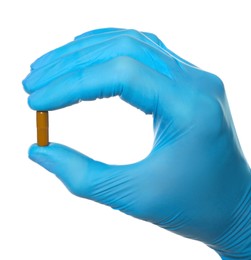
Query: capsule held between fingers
x,y
42,128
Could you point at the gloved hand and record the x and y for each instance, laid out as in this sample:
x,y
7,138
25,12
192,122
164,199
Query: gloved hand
x,y
196,181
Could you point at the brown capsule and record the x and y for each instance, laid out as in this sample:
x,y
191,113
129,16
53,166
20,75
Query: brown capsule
x,y
42,128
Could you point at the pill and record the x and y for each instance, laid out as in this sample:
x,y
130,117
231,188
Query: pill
x,y
42,128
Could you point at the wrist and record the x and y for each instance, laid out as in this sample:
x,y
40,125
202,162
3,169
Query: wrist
x,y
235,243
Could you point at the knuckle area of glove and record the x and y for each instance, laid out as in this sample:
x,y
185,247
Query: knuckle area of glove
x,y
212,115
125,69
206,102
133,33
126,44
215,85
214,98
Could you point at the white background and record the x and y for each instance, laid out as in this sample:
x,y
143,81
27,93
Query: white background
x,y
39,218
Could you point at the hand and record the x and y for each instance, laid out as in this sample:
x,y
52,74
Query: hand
x,y
196,181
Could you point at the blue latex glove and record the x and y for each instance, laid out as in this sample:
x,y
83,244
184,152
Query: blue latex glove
x,y
196,181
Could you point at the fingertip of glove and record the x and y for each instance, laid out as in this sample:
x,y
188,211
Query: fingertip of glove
x,y
25,85
35,152
53,149
36,101
38,63
45,156
56,158
31,102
